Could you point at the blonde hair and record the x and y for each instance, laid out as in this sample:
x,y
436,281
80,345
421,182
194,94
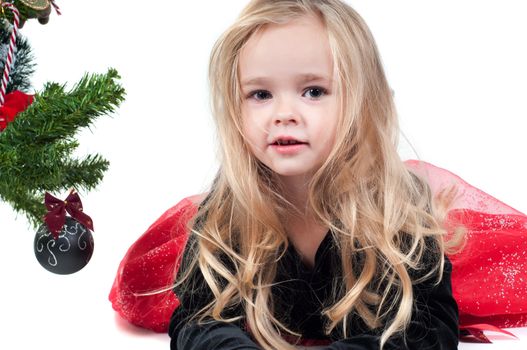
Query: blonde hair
x,y
363,192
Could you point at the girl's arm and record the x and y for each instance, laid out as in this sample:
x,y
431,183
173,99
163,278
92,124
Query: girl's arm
x,y
215,335
433,326
193,295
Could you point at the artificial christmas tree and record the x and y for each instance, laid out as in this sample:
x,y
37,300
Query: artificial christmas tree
x,y
37,132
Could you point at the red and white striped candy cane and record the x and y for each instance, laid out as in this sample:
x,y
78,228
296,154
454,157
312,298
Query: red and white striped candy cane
x,y
55,6
10,52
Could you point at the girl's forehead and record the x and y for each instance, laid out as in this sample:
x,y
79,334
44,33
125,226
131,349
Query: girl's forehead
x,y
299,47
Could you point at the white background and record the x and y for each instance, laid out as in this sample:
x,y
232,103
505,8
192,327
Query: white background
x,y
459,74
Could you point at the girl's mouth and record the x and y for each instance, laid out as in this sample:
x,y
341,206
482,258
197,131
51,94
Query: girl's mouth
x,y
288,142
289,148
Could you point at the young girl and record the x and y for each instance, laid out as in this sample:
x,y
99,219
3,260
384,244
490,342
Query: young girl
x,y
314,231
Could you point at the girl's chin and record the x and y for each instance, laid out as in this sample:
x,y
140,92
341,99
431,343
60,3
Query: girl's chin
x,y
294,174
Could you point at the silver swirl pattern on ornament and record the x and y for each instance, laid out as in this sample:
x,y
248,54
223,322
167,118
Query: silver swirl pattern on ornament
x,y
72,230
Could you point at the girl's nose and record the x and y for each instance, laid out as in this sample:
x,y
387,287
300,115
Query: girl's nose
x,y
285,118
285,109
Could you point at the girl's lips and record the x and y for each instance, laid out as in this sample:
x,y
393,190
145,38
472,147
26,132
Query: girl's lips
x,y
289,149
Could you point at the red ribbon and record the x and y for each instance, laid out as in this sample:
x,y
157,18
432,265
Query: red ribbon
x,y
15,102
56,216
475,332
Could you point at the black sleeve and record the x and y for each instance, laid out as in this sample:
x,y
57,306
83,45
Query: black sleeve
x,y
214,335
433,326
187,334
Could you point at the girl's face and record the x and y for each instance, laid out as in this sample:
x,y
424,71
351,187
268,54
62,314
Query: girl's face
x,y
286,75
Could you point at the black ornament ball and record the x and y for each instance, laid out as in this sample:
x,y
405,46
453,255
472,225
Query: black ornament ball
x,y
67,254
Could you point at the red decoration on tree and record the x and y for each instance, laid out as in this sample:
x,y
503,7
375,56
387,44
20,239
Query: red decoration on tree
x,y
15,102
56,216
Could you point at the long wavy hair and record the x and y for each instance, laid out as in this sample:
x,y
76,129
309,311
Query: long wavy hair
x,y
363,192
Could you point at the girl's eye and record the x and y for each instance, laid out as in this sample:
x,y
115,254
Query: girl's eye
x,y
317,91
259,94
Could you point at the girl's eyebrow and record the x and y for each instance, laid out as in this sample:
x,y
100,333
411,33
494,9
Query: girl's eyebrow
x,y
301,78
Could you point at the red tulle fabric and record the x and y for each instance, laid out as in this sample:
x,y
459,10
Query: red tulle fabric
x,y
489,276
150,265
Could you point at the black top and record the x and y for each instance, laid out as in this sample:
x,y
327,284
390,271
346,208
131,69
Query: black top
x,y
299,296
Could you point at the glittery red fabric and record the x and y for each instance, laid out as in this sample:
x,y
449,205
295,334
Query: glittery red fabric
x,y
489,276
149,265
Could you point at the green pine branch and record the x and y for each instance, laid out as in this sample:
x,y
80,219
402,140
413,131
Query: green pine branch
x,y
36,148
56,114
30,203
84,173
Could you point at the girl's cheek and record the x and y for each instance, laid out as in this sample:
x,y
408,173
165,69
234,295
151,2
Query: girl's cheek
x,y
257,116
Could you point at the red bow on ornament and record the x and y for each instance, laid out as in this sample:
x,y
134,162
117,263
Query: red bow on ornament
x,y
56,216
15,102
